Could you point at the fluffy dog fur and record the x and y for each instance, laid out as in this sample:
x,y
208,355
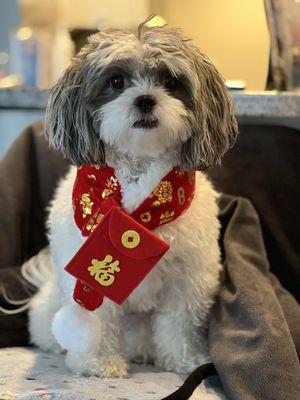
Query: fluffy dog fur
x,y
191,124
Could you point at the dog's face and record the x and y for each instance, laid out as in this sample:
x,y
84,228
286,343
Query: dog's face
x,y
142,95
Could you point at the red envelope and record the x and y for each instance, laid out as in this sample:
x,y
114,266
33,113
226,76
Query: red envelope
x,y
114,259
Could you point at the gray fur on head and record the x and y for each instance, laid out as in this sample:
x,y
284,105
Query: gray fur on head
x,y
69,124
214,125
85,112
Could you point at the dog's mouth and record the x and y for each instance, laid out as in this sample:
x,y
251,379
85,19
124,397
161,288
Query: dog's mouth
x,y
146,123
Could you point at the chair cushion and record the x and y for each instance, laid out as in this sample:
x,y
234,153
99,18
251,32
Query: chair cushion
x,y
28,374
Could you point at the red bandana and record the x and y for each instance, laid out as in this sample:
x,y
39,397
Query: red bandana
x,y
128,249
94,185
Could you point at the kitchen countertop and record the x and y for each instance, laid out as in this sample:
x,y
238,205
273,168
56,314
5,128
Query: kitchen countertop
x,y
247,104
25,99
267,104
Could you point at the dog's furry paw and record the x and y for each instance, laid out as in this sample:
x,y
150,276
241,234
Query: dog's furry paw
x,y
100,366
112,367
54,348
49,346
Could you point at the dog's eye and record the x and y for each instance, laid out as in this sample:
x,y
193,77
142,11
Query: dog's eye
x,y
170,82
117,82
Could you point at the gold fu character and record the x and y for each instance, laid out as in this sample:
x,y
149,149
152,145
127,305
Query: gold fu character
x,y
104,271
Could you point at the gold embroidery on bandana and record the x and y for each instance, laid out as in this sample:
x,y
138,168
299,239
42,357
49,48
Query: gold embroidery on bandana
x,y
90,225
92,177
181,195
111,187
86,288
163,192
166,217
86,204
146,216
94,222
179,173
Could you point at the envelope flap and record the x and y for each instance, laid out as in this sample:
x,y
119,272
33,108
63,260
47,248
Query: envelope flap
x,y
132,239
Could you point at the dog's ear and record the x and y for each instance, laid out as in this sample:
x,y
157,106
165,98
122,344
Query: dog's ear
x,y
213,125
69,124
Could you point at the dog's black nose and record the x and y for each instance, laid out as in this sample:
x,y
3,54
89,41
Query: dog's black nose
x,y
145,103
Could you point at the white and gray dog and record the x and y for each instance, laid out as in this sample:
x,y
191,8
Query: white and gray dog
x,y
141,104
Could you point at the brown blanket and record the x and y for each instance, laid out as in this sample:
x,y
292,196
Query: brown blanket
x,y
255,324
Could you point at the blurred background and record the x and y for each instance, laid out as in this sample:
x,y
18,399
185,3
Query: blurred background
x,y
38,37
255,44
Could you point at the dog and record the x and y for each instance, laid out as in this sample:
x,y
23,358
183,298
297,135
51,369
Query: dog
x,y
142,104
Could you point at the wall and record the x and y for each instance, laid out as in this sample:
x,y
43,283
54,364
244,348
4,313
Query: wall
x,y
233,33
9,22
88,13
